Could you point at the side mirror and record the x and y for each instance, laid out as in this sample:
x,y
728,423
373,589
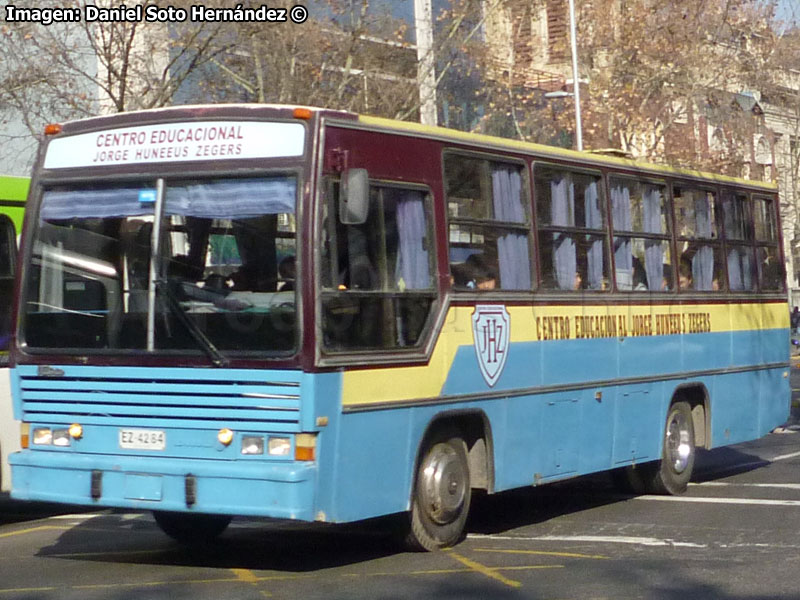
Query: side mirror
x,y
354,197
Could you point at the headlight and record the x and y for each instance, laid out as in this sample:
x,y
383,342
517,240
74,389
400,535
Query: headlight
x,y
279,446
252,444
61,437
42,436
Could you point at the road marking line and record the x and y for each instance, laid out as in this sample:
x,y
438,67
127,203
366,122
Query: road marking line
x,y
785,456
602,539
78,516
26,590
707,500
787,486
543,553
33,530
484,570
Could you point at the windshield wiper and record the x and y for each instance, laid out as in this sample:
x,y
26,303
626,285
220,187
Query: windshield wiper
x,y
162,287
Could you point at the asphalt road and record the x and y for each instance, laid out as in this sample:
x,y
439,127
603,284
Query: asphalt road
x,y
734,535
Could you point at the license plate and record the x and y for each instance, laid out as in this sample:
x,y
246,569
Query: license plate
x,y
142,439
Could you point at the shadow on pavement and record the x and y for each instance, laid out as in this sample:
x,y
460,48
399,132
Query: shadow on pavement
x,y
16,511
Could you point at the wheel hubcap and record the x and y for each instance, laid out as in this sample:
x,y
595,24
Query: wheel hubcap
x,y
678,443
443,484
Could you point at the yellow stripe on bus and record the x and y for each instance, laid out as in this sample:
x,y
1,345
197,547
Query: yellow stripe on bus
x,y
548,324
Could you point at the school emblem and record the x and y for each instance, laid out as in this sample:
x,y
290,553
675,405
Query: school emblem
x,y
490,333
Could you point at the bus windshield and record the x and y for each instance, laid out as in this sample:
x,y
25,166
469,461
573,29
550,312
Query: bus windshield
x,y
205,266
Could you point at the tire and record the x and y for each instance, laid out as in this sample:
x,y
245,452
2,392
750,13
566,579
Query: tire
x,y
191,528
441,496
671,475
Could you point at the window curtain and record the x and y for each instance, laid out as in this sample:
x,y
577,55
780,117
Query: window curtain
x,y
413,264
653,249
223,199
103,203
740,269
562,197
512,248
233,198
703,260
594,220
623,257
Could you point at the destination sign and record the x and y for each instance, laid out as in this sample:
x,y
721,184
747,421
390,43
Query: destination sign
x,y
177,142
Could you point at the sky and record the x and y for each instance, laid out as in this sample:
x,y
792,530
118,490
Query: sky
x,y
789,10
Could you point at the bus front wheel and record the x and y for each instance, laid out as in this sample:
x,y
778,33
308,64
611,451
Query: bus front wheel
x,y
190,528
442,494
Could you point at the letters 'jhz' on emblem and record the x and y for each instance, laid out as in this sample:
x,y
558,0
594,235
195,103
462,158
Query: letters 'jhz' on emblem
x,y
490,334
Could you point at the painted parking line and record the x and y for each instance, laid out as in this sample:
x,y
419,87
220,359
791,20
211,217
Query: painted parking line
x,y
484,570
33,530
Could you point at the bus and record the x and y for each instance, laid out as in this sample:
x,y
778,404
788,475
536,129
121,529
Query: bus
x,y
13,191
299,313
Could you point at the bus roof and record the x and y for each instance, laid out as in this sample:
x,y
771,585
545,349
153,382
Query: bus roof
x,y
586,157
416,129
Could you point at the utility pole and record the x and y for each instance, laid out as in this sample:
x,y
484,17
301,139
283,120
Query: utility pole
x,y
426,73
576,83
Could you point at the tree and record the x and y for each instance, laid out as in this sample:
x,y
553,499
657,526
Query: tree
x,y
351,55
72,70
656,71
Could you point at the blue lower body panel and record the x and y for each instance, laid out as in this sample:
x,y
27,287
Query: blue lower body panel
x,y
283,490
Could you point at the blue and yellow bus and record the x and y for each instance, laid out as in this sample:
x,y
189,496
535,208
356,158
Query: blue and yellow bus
x,y
13,191
308,314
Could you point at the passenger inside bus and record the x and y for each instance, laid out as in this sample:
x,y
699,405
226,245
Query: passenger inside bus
x,y
685,275
479,272
286,272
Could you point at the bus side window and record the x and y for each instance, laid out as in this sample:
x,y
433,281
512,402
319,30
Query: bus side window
x,y
377,277
642,256
697,214
740,258
572,232
770,267
489,224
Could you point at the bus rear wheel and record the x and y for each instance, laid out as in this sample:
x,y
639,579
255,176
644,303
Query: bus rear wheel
x,y
678,453
191,528
672,473
442,494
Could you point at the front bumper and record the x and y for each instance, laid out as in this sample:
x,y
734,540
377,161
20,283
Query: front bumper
x,y
284,490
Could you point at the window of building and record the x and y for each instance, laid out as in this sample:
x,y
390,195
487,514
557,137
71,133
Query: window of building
x,y
489,224
378,277
572,229
642,257
699,245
